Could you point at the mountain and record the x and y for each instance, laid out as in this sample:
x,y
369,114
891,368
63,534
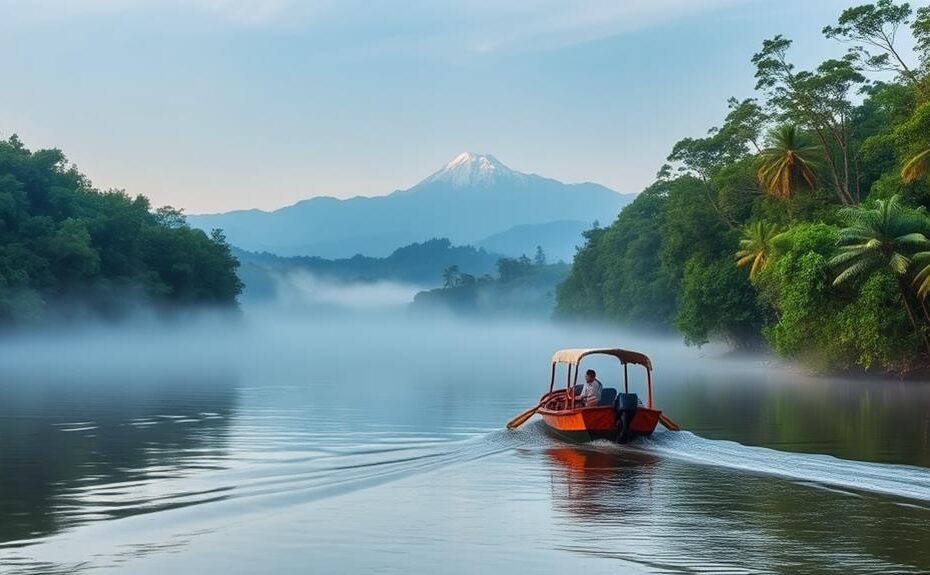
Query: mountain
x,y
471,198
558,240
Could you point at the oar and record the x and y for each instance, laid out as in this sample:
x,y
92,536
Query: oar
x,y
668,423
522,418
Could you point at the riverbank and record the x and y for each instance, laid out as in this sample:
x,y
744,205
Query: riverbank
x,y
798,225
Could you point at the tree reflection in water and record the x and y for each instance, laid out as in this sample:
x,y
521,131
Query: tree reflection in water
x,y
82,450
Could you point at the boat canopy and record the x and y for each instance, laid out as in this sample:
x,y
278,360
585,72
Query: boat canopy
x,y
573,356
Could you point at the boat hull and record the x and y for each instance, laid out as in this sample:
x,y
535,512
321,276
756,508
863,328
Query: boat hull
x,y
590,423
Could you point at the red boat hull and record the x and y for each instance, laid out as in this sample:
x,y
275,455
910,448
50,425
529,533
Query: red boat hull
x,y
587,423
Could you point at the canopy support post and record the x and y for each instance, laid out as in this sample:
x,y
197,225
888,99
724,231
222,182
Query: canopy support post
x,y
649,383
568,387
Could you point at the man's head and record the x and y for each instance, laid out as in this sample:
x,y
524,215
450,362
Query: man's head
x,y
589,375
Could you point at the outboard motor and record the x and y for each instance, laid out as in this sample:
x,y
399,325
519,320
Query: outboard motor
x,y
626,408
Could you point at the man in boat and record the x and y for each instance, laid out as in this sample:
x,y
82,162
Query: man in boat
x,y
591,390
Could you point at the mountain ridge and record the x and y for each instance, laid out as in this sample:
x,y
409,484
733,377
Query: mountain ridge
x,y
472,197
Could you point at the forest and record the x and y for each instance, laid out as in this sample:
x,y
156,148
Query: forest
x,y
799,223
420,263
69,250
523,286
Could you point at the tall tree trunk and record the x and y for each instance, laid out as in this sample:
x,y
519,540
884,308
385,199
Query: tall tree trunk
x,y
708,192
910,314
831,164
923,306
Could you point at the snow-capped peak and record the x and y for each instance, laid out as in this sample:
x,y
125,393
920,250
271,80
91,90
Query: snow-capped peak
x,y
470,169
481,161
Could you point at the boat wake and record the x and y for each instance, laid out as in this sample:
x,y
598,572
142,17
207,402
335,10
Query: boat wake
x,y
818,470
261,482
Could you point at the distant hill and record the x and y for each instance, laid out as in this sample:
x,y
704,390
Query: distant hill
x,y
558,239
419,264
472,198
520,288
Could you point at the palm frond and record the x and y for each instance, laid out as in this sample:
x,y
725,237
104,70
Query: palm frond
x,y
860,268
912,239
899,263
916,167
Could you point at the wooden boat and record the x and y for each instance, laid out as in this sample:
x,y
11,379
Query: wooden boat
x,y
619,416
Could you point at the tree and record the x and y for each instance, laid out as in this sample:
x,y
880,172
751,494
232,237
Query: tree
x,y
756,247
510,269
827,327
717,301
878,239
451,276
875,25
62,243
170,217
921,30
705,158
819,101
539,260
787,164
922,274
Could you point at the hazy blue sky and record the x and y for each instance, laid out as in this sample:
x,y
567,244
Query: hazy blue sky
x,y
212,105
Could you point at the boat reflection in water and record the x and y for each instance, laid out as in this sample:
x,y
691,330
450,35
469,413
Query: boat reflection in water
x,y
603,485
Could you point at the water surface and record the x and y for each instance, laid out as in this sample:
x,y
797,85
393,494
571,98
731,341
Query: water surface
x,y
349,445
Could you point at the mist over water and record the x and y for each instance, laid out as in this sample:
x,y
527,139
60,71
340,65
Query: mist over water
x,y
301,289
352,437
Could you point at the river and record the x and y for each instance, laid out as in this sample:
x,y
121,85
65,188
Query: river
x,y
286,443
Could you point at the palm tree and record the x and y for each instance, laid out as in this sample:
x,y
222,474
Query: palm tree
x,y
877,239
787,163
916,167
757,245
922,275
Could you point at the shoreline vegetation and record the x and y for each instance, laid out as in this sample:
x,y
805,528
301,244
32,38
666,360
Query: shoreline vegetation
x,y
522,287
69,251
800,222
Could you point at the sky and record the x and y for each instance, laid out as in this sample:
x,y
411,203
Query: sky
x,y
214,105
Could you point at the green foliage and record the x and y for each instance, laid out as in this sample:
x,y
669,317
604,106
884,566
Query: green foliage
x,y
788,162
618,274
883,237
717,301
521,288
510,269
757,246
864,326
921,30
61,242
582,292
874,27
737,190
796,286
837,298
817,100
873,330
420,262
916,167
